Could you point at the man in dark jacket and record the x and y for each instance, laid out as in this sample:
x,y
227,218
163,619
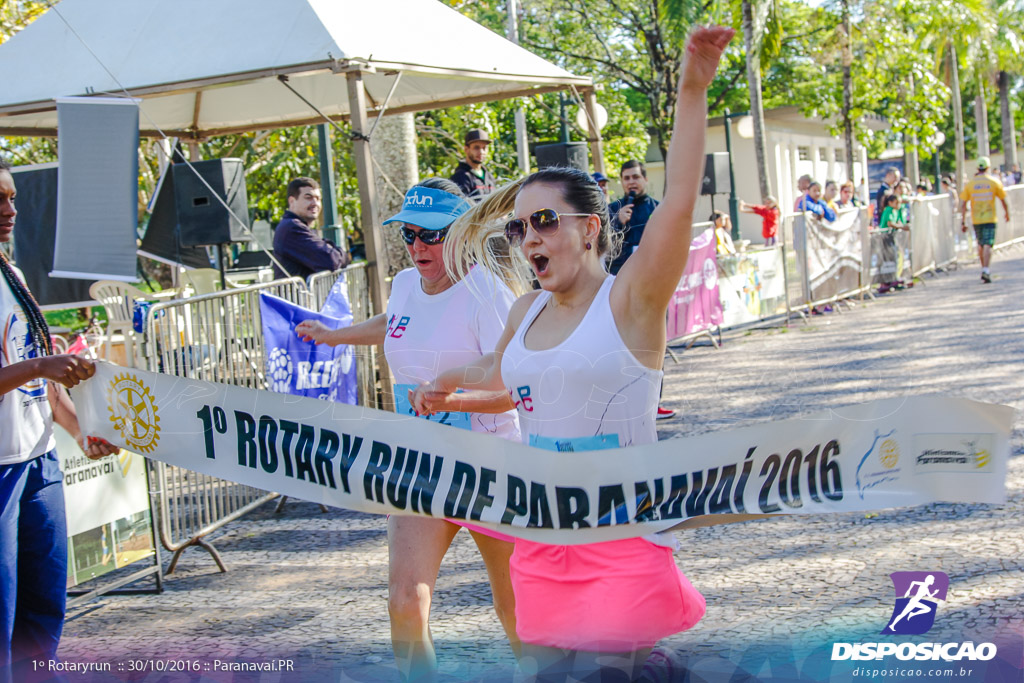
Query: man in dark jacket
x,y
471,175
630,214
296,246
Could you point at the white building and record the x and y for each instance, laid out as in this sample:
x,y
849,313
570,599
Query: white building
x,y
795,144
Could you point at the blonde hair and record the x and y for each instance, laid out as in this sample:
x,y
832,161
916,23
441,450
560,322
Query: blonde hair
x,y
477,237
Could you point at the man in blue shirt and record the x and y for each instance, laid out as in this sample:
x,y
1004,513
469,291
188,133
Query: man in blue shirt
x,y
296,246
630,214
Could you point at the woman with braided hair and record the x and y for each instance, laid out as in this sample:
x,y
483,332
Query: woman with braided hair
x,y
33,533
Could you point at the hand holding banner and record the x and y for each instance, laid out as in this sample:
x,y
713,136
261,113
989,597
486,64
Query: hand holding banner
x,y
883,454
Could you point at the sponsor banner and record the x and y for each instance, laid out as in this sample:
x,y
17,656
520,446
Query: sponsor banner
x,y
860,458
107,507
890,257
833,254
752,285
305,368
696,305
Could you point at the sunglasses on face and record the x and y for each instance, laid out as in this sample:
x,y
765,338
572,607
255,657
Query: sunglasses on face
x,y
428,237
545,222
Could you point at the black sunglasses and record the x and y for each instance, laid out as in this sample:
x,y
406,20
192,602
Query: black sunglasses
x,y
428,237
544,221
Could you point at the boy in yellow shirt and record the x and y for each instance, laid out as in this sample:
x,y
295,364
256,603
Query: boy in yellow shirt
x,y
981,191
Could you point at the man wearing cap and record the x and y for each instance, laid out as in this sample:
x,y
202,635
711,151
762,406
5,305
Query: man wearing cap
x,y
296,247
471,175
602,181
981,191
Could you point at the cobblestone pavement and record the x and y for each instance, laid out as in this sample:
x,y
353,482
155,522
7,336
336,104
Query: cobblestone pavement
x,y
312,586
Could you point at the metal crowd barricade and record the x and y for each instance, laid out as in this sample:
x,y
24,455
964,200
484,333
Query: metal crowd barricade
x,y
1011,233
932,234
217,338
319,285
825,273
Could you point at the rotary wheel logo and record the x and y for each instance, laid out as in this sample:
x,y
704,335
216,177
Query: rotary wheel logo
x,y
890,453
133,412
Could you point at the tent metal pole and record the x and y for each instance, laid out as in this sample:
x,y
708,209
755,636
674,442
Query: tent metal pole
x,y
376,253
593,134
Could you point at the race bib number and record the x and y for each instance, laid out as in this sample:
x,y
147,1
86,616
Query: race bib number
x,y
578,443
403,407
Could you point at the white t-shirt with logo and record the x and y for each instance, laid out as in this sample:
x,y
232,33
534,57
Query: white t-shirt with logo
x,y
430,333
26,422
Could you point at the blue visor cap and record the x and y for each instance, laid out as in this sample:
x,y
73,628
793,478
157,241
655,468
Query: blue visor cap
x,y
430,209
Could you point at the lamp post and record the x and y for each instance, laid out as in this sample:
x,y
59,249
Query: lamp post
x,y
734,210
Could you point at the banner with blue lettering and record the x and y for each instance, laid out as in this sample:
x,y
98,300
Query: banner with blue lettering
x,y
304,368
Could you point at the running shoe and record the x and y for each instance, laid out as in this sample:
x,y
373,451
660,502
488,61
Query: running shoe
x,y
986,278
665,413
664,666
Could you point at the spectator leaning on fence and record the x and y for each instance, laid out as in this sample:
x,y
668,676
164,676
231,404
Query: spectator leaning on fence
x,y
33,530
723,226
831,194
802,183
894,215
889,182
847,196
812,203
301,251
981,192
770,215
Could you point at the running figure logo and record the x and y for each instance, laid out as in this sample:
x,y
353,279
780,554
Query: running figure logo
x,y
914,612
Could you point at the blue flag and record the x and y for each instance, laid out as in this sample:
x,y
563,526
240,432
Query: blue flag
x,y
303,368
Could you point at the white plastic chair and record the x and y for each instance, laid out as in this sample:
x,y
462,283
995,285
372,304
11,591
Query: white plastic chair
x,y
119,300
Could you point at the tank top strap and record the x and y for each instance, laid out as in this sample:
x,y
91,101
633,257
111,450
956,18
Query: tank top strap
x,y
531,314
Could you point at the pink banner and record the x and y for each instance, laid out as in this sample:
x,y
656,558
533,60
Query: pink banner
x,y
695,306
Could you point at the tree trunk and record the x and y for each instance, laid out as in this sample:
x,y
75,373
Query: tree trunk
x,y
958,116
756,106
394,151
848,93
981,119
1006,116
910,157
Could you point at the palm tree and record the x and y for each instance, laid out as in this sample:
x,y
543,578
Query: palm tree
x,y
955,28
762,39
1009,60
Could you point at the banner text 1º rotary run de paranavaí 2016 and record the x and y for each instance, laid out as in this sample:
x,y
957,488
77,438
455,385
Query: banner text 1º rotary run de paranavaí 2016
x,y
883,454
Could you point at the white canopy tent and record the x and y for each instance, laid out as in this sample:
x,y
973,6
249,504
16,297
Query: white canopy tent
x,y
209,67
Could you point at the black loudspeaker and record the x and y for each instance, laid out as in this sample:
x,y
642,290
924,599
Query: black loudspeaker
x,y
202,219
716,174
572,154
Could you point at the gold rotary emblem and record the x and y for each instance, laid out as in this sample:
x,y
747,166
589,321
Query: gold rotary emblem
x,y
890,453
133,412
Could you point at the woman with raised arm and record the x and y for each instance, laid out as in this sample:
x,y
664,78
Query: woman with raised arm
x,y
438,317
33,531
582,359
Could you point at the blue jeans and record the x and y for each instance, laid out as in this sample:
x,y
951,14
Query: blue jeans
x,y
33,564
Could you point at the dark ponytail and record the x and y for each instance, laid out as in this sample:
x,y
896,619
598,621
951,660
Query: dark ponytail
x,y
39,331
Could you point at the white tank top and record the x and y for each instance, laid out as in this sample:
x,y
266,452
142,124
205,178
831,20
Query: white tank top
x,y
430,333
590,385
587,393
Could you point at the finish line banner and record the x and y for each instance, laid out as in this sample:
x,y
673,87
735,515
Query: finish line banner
x,y
883,454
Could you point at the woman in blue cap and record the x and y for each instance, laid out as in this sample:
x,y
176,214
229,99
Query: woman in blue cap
x,y
438,317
